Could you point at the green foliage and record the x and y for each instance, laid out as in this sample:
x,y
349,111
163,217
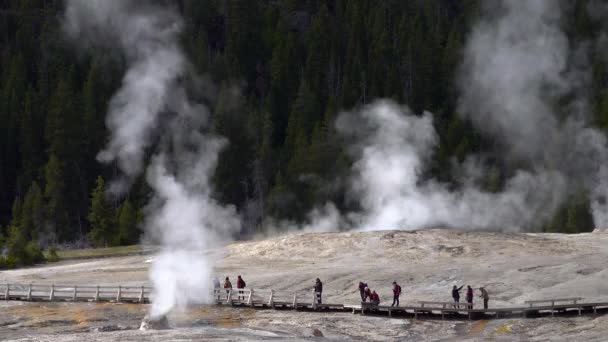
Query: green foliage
x,y
101,216
52,255
297,64
573,217
128,233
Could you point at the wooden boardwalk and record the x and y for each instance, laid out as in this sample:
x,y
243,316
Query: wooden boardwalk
x,y
306,301
301,301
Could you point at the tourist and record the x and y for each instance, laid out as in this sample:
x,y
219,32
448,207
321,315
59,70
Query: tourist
x,y
469,297
456,295
375,299
362,287
485,296
227,286
367,294
216,287
396,293
240,284
318,290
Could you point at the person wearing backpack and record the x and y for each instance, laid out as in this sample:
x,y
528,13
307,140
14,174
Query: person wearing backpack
x,y
227,286
240,284
396,293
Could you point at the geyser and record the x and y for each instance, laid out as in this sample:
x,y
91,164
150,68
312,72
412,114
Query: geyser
x,y
155,323
153,111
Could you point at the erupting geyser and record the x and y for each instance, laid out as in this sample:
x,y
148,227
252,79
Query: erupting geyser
x,y
155,323
154,111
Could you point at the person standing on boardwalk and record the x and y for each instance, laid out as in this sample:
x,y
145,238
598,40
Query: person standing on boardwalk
x,y
227,285
362,287
216,287
456,295
469,297
485,296
240,284
396,293
318,290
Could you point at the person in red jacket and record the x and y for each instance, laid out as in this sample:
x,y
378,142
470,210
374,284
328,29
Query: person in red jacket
x,y
469,297
396,293
240,284
375,299
227,286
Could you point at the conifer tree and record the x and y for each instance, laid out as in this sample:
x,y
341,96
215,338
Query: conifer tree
x,y
128,233
101,216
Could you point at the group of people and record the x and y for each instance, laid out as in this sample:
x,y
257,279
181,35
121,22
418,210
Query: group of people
x,y
371,295
366,293
240,284
469,296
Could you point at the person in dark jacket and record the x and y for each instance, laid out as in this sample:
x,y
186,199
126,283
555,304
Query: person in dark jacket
x,y
318,290
240,284
362,287
469,297
396,293
456,295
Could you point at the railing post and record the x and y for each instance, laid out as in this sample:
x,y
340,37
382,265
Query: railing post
x,y
52,294
314,299
141,295
75,294
271,299
97,294
29,292
295,301
8,291
250,299
118,295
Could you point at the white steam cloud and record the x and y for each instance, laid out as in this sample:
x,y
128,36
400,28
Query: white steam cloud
x,y
392,150
152,112
517,64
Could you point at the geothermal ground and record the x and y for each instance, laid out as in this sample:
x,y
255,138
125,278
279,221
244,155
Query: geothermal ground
x,y
513,267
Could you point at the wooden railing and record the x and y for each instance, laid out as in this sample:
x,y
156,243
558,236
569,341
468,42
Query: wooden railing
x,y
58,292
531,303
267,297
445,305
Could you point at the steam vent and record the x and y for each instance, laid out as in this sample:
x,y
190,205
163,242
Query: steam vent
x,y
159,323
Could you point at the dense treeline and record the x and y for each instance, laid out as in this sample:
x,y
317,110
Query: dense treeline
x,y
295,63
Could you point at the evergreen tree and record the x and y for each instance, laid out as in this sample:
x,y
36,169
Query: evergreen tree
x,y
101,216
128,233
54,195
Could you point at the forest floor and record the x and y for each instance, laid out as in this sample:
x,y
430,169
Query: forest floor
x,y
513,268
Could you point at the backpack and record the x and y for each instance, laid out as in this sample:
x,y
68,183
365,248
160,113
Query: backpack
x,y
244,285
398,289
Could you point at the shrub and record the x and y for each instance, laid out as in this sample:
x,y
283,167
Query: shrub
x,y
52,255
33,253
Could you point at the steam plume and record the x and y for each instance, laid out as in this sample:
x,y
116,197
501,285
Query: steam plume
x,y
152,110
518,63
392,150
